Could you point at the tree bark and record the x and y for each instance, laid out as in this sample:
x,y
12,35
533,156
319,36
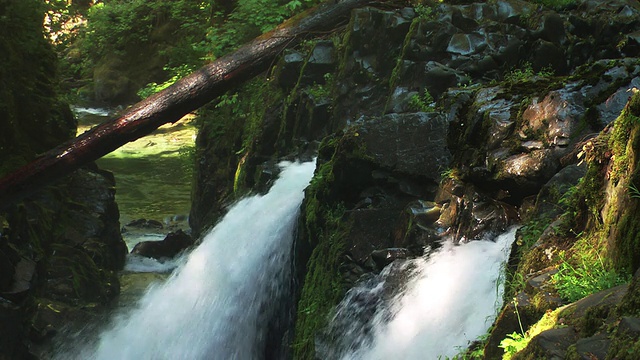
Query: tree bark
x,y
186,95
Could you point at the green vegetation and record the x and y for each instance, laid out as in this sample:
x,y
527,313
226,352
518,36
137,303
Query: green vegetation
x,y
424,11
517,342
584,273
179,35
325,229
33,119
525,73
424,102
249,19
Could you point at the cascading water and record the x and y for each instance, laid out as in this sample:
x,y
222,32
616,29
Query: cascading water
x,y
218,303
450,299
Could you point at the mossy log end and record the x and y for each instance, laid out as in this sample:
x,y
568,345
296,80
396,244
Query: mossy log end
x,y
186,95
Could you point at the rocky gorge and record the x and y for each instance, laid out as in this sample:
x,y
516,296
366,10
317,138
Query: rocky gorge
x,y
443,120
457,119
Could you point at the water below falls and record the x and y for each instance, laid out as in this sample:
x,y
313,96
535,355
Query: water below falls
x,y
449,300
218,303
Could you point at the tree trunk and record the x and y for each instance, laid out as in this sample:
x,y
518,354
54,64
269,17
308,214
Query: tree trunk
x,y
186,95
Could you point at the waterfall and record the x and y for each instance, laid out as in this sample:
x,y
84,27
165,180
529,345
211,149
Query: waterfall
x,y
449,300
218,303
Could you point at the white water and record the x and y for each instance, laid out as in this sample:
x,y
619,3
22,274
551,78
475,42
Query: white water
x,y
78,110
451,299
217,304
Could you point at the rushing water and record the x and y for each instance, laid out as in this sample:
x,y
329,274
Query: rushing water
x,y
450,299
218,303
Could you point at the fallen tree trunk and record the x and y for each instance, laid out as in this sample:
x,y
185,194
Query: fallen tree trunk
x,y
186,95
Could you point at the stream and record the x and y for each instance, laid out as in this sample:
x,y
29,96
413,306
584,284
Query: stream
x,y
153,174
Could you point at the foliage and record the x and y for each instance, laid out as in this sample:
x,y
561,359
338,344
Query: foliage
x,y
424,102
530,232
185,33
424,11
62,19
176,74
322,91
525,73
250,18
516,342
450,173
584,273
512,344
33,118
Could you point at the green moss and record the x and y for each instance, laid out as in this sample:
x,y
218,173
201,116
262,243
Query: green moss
x,y
630,304
323,286
572,353
325,230
623,230
624,347
395,73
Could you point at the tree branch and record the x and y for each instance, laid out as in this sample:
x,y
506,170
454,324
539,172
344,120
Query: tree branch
x,y
186,95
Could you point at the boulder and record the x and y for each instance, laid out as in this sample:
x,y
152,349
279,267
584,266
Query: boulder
x,y
146,224
550,344
174,243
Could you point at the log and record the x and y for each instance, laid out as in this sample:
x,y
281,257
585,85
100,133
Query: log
x,y
171,104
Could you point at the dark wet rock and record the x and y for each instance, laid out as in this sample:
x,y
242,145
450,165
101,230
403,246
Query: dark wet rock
x,y
385,257
321,61
174,243
462,22
371,230
438,78
88,281
145,224
424,213
12,340
630,326
594,347
266,174
549,56
9,257
553,29
409,143
75,225
550,344
469,214
548,202
527,170
289,69
466,44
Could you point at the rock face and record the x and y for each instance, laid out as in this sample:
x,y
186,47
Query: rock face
x,y
61,248
458,122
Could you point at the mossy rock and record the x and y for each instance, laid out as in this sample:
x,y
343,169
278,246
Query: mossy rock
x,y
73,274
